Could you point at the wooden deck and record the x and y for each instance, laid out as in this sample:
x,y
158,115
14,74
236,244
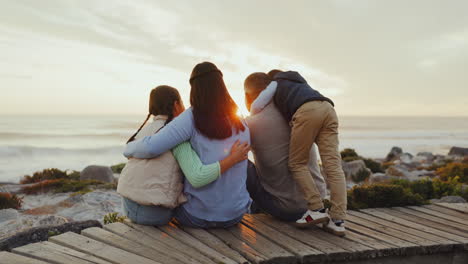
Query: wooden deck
x,y
426,234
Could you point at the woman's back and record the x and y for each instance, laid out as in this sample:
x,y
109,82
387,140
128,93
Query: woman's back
x,y
227,197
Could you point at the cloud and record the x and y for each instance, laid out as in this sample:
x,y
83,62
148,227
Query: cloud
x,y
371,58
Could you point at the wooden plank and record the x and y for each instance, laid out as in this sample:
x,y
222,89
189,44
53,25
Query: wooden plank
x,y
439,220
445,210
409,230
215,243
431,243
332,251
305,253
356,250
47,251
460,207
10,258
240,246
403,247
419,223
440,215
185,238
123,243
65,250
273,252
383,249
99,249
146,240
447,231
170,241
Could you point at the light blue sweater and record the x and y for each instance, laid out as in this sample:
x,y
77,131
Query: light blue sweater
x,y
224,199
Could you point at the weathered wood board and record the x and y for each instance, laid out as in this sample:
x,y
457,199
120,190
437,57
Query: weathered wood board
x,y
372,234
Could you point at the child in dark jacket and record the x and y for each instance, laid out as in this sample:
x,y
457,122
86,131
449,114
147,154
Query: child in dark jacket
x,y
313,119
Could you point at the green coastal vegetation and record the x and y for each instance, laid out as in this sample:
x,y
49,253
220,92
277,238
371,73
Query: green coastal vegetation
x,y
113,218
118,168
58,181
404,193
8,200
351,155
451,180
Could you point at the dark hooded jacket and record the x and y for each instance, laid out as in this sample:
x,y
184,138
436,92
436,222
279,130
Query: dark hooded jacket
x,y
292,92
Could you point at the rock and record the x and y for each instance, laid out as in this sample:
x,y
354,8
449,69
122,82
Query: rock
x,y
13,188
8,214
98,173
424,157
38,234
440,159
382,177
353,167
416,174
52,220
449,199
397,171
394,153
406,158
457,151
93,205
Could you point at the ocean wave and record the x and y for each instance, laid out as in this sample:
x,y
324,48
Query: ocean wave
x,y
28,151
10,135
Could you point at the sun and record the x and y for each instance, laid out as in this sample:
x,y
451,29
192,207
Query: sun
x,y
239,99
242,112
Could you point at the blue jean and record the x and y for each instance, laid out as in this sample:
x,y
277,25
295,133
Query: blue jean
x,y
147,214
264,201
186,219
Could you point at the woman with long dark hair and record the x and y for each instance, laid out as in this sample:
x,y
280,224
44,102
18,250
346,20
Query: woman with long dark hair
x,y
152,188
212,126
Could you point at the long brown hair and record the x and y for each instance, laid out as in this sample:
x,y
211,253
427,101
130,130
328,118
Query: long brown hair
x,y
214,111
161,102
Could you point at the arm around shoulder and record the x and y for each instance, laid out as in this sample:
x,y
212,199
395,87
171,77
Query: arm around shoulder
x,y
177,131
196,173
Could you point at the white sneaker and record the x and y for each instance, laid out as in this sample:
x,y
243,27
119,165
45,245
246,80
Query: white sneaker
x,y
336,228
312,218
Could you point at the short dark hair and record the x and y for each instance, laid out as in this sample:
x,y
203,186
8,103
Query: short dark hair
x,y
257,81
273,72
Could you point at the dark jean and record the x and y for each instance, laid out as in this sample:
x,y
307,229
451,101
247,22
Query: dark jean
x,y
186,219
264,201
147,214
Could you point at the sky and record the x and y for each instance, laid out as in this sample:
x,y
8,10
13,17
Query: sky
x,y
373,58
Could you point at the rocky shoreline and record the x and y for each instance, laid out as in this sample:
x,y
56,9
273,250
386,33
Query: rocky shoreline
x,y
48,208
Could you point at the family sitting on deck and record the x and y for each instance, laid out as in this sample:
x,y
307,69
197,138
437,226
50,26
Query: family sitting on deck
x,y
192,164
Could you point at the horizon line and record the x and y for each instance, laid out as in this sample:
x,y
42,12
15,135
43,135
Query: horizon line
x,y
137,114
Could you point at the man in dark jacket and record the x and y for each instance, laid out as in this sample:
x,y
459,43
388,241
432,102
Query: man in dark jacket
x,y
313,119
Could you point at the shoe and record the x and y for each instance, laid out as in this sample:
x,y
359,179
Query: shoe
x,y
312,218
335,227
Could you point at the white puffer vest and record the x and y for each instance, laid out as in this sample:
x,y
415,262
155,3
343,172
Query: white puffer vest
x,y
156,181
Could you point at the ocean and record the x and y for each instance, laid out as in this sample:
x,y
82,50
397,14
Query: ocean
x,y
33,143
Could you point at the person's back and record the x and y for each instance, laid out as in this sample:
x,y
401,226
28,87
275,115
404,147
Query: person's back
x,y
270,145
156,181
313,119
227,197
292,92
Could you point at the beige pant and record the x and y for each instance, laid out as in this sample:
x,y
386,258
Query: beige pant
x,y
317,122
